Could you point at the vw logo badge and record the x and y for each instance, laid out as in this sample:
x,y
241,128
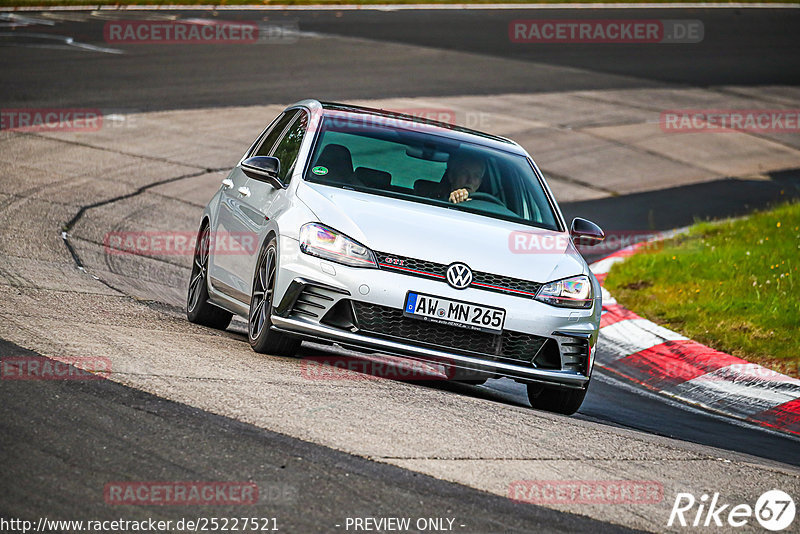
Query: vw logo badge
x,y
459,276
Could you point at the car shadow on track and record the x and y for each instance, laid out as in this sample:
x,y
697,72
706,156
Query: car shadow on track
x,y
606,403
332,362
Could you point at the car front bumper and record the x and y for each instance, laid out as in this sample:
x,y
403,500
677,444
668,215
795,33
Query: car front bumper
x,y
309,329
334,282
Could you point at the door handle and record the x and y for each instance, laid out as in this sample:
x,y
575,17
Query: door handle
x,y
244,191
227,183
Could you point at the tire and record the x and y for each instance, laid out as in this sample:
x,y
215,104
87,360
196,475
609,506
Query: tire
x,y
554,399
198,309
262,339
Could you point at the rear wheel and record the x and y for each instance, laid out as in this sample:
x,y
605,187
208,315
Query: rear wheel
x,y
261,338
554,399
198,309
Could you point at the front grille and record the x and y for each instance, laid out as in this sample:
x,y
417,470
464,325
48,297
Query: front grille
x,y
505,284
390,322
411,266
480,280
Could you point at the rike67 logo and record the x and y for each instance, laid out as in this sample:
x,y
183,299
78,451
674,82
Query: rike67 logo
x,y
774,510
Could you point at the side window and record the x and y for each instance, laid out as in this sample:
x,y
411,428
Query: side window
x,y
289,147
269,140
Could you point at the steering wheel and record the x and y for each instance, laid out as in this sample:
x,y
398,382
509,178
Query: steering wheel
x,y
486,197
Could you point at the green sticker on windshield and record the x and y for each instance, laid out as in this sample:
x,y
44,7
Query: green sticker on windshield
x,y
319,169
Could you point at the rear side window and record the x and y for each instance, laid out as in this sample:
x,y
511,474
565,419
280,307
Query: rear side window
x,y
289,147
275,132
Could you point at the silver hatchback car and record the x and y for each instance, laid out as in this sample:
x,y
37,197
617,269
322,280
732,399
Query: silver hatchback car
x,y
392,234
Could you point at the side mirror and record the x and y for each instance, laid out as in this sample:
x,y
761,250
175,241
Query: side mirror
x,y
264,169
586,232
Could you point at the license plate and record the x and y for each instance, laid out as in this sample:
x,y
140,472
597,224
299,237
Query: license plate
x,y
454,312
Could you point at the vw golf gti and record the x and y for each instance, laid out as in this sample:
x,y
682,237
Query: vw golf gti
x,y
392,234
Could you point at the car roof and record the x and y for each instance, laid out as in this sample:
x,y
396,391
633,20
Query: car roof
x,y
453,131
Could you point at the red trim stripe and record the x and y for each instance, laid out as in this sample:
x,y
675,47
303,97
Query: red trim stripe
x,y
504,288
389,266
411,270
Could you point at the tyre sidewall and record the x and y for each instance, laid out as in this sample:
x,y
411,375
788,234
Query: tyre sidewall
x,y
261,339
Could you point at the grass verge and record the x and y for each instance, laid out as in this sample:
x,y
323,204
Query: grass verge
x,y
732,286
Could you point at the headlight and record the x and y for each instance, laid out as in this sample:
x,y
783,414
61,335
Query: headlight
x,y
575,292
319,240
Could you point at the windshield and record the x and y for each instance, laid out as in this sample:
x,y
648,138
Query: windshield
x,y
431,169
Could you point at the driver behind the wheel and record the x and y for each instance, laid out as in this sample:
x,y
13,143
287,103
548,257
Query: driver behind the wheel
x,y
465,173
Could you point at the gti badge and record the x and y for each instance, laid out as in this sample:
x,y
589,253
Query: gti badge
x,y
459,275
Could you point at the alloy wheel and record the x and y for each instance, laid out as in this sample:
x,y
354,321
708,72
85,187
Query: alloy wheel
x,y
263,287
199,269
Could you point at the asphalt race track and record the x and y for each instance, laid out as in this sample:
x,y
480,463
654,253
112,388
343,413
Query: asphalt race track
x,y
299,475
741,47
193,404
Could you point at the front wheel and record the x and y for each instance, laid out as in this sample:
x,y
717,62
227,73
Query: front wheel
x,y
261,338
198,309
555,399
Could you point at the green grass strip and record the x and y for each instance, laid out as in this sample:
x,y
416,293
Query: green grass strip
x,y
732,286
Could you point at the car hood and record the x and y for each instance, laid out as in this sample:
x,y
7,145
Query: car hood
x,y
437,234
